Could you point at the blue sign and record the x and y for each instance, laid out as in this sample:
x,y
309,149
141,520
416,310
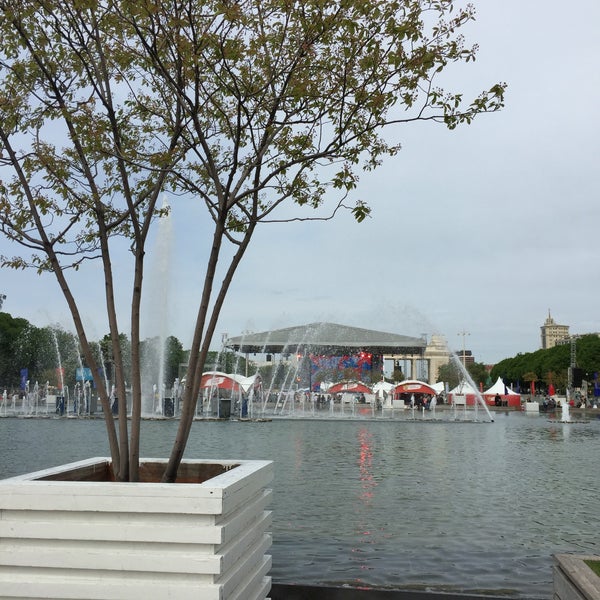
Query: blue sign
x,y
24,378
83,374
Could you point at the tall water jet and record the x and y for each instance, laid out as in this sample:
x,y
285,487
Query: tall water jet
x,y
60,396
566,415
157,316
465,376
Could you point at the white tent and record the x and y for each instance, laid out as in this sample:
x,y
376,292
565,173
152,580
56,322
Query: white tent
x,y
384,392
383,386
439,387
463,388
500,388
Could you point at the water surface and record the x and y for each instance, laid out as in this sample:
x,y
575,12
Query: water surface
x,y
445,506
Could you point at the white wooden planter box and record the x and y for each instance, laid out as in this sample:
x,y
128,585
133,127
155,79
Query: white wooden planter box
x,y
67,532
573,579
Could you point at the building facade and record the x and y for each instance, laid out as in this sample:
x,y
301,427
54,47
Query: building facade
x,y
552,333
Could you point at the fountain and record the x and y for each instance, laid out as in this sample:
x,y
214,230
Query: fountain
x,y
156,319
290,393
565,413
465,376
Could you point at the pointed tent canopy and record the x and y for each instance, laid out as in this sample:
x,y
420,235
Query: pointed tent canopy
x,y
382,387
500,388
439,387
326,338
353,387
413,386
464,388
509,397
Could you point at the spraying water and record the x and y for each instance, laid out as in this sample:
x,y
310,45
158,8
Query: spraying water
x,y
157,315
61,379
465,376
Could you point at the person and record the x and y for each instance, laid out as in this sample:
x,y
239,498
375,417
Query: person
x,y
497,400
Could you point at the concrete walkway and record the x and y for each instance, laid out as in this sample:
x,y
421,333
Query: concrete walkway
x,y
282,591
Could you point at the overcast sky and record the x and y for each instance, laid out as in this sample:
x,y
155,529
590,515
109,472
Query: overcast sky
x,y
478,231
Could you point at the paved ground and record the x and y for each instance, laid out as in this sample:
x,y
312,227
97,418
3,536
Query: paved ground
x,y
281,591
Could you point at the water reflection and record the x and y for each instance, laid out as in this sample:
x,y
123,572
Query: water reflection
x,y
364,540
445,506
365,465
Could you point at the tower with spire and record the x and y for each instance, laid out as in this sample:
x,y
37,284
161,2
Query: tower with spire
x,y
553,333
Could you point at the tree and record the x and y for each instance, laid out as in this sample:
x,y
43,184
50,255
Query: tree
x,y
478,373
251,107
449,374
397,374
174,354
13,332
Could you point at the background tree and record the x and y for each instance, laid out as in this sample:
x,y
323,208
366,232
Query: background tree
x,y
13,332
250,107
106,360
552,360
174,356
530,377
449,374
479,374
228,362
397,374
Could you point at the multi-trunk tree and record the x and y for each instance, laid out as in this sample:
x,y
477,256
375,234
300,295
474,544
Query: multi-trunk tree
x,y
251,108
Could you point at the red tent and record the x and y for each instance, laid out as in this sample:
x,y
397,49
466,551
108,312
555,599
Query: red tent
x,y
413,386
352,387
221,381
507,395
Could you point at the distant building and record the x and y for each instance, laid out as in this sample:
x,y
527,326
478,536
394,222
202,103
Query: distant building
x,y
466,357
552,333
437,354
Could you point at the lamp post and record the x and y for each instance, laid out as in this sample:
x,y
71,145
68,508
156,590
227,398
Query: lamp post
x,y
464,334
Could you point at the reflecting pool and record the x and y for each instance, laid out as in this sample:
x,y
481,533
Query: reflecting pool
x,y
442,506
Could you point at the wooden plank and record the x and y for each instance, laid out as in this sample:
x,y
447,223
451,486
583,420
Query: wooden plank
x,y
241,576
146,531
256,589
123,497
101,500
107,556
244,489
238,521
96,587
110,555
253,536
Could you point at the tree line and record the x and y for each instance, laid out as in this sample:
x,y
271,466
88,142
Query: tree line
x,y
551,366
541,367
51,354
42,351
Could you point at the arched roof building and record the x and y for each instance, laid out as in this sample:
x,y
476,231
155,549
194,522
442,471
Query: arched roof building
x,y
326,338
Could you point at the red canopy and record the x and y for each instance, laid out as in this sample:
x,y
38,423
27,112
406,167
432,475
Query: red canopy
x,y
220,381
412,386
353,387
